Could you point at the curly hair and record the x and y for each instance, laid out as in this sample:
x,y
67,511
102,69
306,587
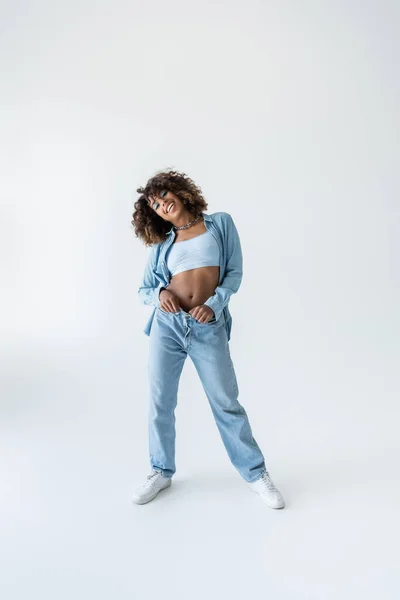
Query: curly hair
x,y
150,227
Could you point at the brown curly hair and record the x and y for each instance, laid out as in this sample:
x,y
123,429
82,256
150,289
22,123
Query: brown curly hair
x,y
150,227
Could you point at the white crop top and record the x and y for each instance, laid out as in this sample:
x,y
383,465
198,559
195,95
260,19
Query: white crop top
x,y
200,251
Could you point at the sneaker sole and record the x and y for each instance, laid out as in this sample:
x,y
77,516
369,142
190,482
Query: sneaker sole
x,y
265,501
274,507
142,501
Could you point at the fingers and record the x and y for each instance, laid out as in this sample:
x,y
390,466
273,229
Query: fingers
x,y
205,319
202,317
196,312
170,303
201,314
169,306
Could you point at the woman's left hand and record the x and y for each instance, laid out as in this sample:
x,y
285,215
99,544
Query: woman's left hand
x,y
202,313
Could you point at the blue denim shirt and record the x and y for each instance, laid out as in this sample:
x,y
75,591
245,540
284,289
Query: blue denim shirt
x,y
156,274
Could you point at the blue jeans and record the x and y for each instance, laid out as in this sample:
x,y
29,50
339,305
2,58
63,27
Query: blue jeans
x,y
173,336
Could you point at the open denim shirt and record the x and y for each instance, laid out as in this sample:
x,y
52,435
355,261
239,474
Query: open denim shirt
x,y
157,276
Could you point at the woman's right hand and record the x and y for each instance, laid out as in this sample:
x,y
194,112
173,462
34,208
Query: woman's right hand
x,y
169,302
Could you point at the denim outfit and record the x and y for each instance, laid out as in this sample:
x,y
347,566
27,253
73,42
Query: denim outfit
x,y
173,336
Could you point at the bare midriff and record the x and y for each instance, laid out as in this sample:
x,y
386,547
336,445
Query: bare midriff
x,y
195,286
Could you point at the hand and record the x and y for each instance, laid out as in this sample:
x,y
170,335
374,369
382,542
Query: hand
x,y
168,301
202,313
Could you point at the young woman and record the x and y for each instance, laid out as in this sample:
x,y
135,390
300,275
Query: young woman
x,y
194,266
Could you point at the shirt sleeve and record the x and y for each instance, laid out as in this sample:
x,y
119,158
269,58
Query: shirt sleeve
x,y
151,284
234,270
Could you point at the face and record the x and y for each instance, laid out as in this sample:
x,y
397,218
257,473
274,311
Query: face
x,y
166,205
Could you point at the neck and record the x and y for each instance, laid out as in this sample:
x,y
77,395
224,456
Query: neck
x,y
185,219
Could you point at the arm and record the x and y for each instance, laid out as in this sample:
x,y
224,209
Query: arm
x,y
234,271
151,285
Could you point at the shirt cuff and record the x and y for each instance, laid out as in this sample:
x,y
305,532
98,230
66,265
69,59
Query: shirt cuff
x,y
215,305
157,295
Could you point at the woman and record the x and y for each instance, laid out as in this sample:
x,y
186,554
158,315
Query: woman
x,y
194,266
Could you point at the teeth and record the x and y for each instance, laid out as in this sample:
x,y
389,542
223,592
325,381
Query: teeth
x,y
170,206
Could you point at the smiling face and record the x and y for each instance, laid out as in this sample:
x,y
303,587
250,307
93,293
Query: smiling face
x,y
167,205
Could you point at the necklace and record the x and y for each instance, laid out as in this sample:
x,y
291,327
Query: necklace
x,y
188,224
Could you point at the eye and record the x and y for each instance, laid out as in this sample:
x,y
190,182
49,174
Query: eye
x,y
153,203
163,193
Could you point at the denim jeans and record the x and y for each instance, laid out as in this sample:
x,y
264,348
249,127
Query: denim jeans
x,y
173,336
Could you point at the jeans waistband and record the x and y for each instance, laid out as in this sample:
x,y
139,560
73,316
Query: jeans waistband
x,y
182,312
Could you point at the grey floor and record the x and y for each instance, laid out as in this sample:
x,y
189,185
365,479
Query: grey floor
x,y
74,447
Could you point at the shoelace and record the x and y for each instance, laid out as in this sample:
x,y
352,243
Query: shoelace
x,y
152,477
267,480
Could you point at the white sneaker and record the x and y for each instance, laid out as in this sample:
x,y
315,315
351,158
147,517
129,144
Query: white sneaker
x,y
154,483
268,492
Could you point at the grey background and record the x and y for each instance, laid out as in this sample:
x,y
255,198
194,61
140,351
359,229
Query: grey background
x,y
286,114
